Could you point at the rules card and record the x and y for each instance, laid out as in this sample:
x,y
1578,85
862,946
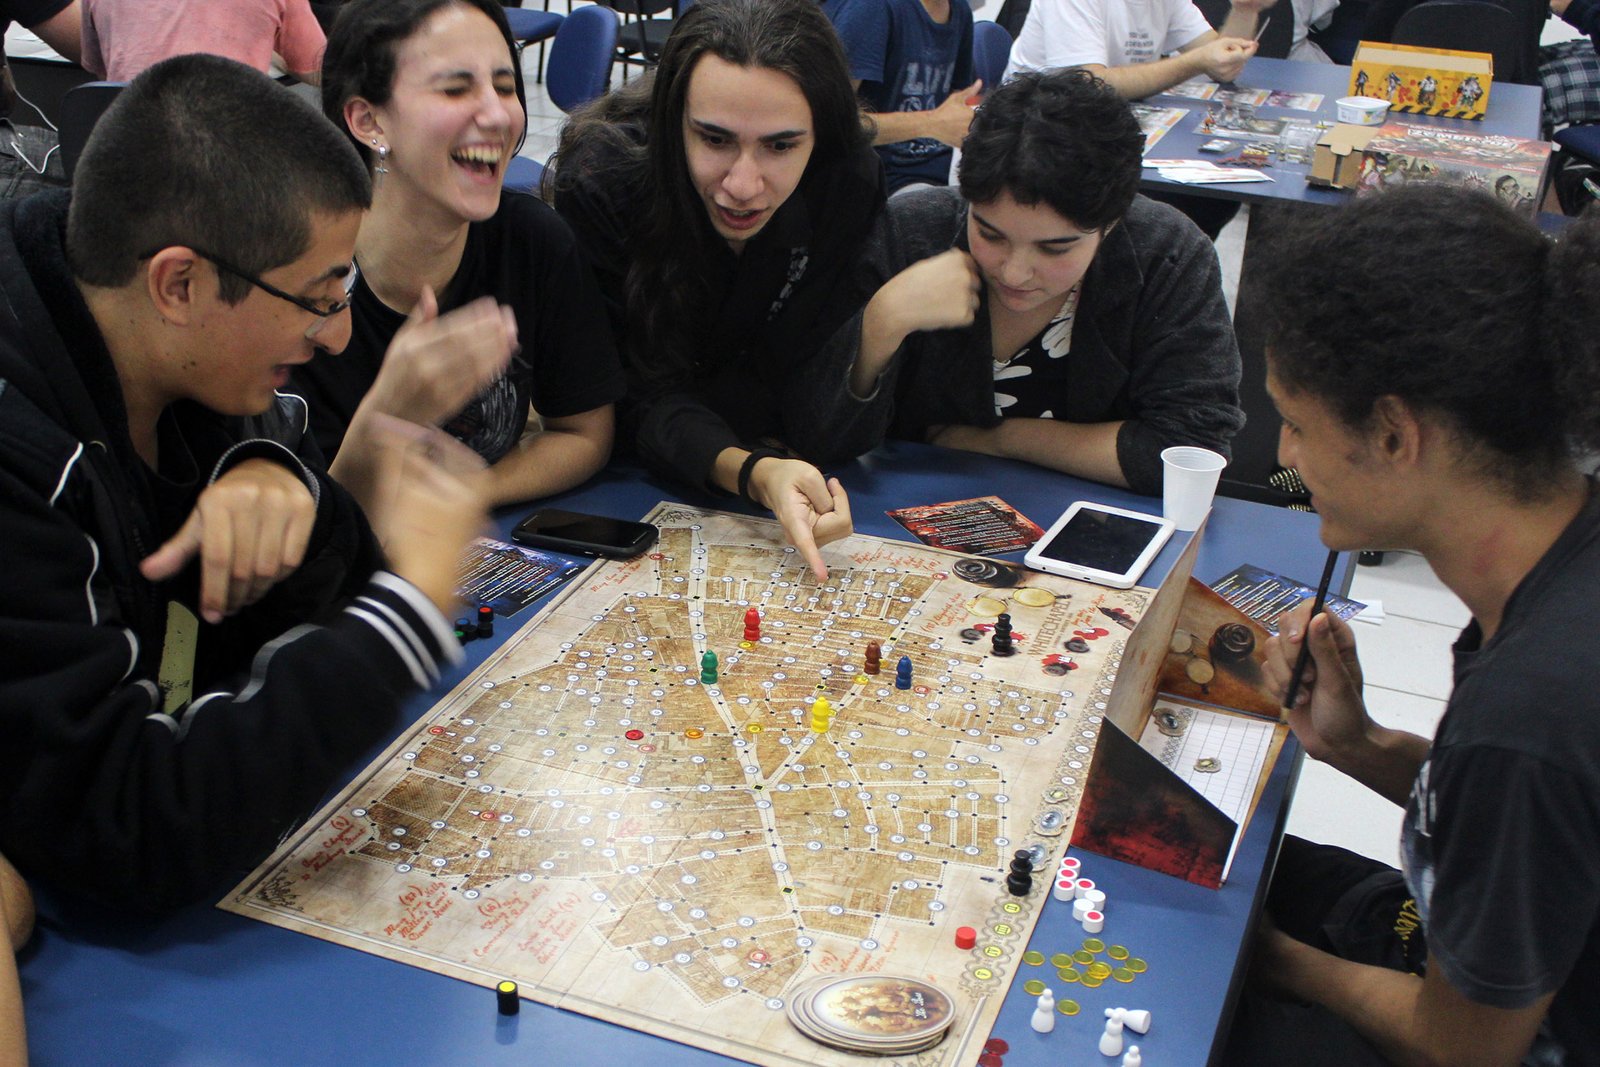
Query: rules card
x,y
984,526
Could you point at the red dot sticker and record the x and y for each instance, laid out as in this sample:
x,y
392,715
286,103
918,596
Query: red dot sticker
x,y
488,816
436,730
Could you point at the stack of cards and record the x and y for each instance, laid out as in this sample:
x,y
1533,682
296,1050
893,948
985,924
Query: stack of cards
x,y
872,1013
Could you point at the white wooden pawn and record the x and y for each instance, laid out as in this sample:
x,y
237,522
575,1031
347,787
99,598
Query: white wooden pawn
x,y
1044,1013
1111,1040
1131,1058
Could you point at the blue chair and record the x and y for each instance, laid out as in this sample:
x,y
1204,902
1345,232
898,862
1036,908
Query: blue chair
x,y
991,51
1583,142
528,27
81,108
580,70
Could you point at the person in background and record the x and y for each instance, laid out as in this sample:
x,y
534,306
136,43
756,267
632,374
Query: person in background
x,y
30,154
723,202
201,629
430,93
123,37
1045,311
1417,427
16,909
1570,70
911,61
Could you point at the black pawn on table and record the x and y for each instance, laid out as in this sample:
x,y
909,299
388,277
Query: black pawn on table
x,y
1000,642
1020,879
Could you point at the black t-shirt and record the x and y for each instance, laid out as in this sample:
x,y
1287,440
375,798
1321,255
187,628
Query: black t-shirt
x,y
29,13
1501,841
526,258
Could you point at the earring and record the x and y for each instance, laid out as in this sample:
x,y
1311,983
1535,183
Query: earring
x,y
382,167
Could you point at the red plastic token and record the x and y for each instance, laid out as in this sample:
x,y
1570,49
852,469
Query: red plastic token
x,y
966,937
634,735
990,1059
996,1045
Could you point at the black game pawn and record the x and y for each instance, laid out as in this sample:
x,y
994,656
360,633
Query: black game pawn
x,y
1000,640
1020,879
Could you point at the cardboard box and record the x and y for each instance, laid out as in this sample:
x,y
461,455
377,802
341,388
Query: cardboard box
x,y
1515,169
1337,162
1423,81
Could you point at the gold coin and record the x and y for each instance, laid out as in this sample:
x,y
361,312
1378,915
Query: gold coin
x,y
1117,952
1100,970
1033,987
986,606
1200,671
1067,1007
1067,975
753,728
1122,974
1061,959
1034,597
1091,982
1137,966
694,733
1083,956
746,644
1093,944
1032,958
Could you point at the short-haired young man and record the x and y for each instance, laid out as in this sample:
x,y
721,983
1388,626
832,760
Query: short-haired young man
x,y
199,627
1140,47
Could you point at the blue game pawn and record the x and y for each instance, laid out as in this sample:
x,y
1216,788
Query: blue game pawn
x,y
902,673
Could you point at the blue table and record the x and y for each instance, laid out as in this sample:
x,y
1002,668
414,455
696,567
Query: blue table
x,y
1514,110
206,987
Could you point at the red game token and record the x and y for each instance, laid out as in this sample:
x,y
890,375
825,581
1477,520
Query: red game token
x,y
966,937
634,735
996,1045
990,1059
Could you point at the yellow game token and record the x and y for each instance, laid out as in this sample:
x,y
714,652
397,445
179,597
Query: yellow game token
x,y
694,733
1032,958
862,679
1117,952
1101,971
1091,982
747,644
1083,956
1122,974
1093,944
1067,975
983,974
986,606
1061,959
1067,1007
753,728
1137,966
1033,987
1034,597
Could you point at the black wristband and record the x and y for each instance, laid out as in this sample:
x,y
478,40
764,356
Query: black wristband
x,y
749,465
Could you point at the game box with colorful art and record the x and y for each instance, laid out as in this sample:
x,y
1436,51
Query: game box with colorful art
x,y
1423,81
1514,169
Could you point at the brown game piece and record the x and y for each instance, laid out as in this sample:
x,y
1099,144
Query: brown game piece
x,y
874,658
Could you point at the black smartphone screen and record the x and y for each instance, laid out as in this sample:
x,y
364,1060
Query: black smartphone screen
x,y
1101,541
591,534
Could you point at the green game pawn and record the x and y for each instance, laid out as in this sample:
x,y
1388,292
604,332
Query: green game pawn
x,y
708,669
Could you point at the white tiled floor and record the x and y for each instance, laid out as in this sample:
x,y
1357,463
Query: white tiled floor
x,y
1406,664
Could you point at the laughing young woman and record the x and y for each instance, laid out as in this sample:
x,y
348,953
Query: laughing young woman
x,y
431,94
722,203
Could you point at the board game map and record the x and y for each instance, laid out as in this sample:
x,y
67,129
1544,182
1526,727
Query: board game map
x,y
584,816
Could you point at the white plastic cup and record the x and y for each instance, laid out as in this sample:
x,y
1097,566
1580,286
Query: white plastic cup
x,y
1188,483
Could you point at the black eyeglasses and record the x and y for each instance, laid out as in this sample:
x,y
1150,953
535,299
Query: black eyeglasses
x,y
322,311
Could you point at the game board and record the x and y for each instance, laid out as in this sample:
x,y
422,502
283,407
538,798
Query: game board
x,y
584,816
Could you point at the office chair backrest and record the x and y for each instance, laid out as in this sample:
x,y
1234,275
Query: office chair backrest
x,y
81,108
580,57
1013,13
991,49
1470,26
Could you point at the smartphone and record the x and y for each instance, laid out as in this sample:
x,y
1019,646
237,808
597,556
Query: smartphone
x,y
1101,544
584,535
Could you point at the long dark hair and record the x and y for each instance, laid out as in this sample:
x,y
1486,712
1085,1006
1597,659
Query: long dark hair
x,y
667,290
1448,300
366,35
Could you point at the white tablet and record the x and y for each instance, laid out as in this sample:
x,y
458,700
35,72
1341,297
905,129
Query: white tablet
x,y
1105,545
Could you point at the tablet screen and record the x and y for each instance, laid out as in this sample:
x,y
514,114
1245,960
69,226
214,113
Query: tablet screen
x,y
1101,541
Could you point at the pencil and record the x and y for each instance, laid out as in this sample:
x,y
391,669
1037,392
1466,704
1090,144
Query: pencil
x,y
1262,28
1305,645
